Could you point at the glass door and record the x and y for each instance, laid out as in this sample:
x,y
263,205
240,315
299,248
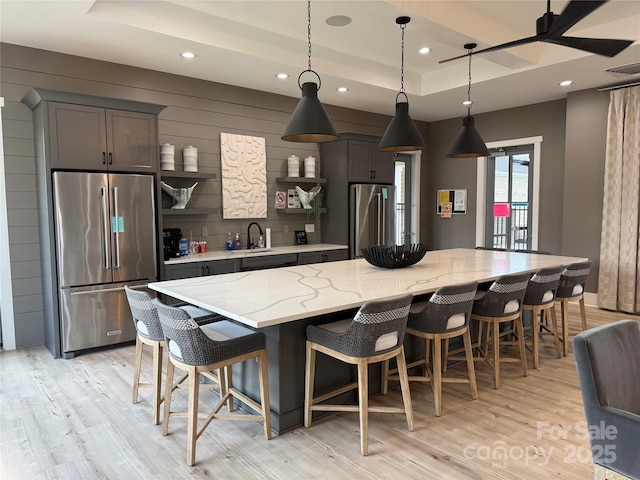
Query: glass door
x,y
404,228
509,195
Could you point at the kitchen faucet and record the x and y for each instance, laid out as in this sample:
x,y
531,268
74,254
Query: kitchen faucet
x,y
250,244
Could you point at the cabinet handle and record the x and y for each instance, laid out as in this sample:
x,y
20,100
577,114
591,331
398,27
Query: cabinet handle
x,y
104,158
110,158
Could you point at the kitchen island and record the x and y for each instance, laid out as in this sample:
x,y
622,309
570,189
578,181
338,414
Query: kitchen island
x,y
281,302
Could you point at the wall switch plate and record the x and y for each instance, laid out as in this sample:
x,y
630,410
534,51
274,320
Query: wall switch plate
x,y
309,227
286,229
204,232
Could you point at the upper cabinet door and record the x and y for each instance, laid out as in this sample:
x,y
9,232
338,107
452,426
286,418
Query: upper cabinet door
x,y
94,138
78,137
367,164
131,141
360,161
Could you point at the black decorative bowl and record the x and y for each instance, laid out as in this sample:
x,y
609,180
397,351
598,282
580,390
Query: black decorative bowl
x,y
396,256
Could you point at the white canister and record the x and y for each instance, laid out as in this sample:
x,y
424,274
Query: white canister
x,y
190,159
310,167
293,163
167,161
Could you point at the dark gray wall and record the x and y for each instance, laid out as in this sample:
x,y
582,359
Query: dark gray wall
x,y
586,138
197,112
571,174
544,119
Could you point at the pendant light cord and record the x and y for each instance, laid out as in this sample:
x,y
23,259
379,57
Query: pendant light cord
x,y
402,21
309,30
469,102
402,27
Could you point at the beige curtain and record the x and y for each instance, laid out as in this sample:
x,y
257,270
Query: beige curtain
x,y
619,279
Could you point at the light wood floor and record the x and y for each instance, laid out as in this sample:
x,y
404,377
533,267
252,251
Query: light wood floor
x,y
73,419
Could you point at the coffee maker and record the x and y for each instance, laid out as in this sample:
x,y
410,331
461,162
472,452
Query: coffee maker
x,y
171,239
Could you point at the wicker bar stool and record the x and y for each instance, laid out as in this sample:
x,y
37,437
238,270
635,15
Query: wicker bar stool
x,y
149,332
444,316
571,288
501,304
375,334
539,300
199,350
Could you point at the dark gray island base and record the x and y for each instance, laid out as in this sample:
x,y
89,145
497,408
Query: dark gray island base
x,y
282,302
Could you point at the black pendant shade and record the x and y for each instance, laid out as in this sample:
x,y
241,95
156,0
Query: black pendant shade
x,y
309,121
468,143
401,135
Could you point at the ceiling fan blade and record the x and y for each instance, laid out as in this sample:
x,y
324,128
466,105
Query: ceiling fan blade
x,y
601,46
575,11
515,43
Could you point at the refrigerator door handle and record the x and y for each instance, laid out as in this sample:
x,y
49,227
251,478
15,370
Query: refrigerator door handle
x,y
105,228
117,226
379,212
383,214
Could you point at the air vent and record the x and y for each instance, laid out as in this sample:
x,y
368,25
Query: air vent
x,y
625,70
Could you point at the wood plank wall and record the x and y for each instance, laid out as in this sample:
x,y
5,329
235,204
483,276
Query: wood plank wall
x,y
197,112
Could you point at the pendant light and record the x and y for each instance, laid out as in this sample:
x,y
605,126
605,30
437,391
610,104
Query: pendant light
x,y
468,143
309,121
401,135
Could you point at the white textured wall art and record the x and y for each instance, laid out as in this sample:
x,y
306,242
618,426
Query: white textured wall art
x,y
244,176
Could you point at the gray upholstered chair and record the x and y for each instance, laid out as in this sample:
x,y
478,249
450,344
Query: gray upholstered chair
x,y
501,304
608,363
149,332
539,299
571,288
199,350
375,334
444,316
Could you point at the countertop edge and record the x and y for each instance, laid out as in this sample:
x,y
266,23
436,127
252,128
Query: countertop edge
x,y
227,255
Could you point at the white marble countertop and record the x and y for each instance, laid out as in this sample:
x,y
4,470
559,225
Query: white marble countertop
x,y
274,296
231,254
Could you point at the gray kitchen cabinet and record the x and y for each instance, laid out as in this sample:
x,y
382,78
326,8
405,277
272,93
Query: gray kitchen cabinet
x,y
268,261
200,269
93,138
306,258
369,165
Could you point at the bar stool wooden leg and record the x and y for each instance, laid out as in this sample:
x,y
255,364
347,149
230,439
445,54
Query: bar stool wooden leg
x,y
466,336
308,384
157,381
168,391
437,375
583,313
519,329
404,386
192,415
363,401
536,317
385,377
496,353
136,369
564,305
554,325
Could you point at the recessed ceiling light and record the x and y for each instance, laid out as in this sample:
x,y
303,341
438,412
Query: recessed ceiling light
x,y
342,89
566,83
188,55
282,76
424,50
338,21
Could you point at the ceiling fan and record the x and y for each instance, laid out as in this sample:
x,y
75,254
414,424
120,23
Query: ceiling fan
x,y
551,27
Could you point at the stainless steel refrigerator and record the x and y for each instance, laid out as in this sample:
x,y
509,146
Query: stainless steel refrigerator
x,y
105,232
372,217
